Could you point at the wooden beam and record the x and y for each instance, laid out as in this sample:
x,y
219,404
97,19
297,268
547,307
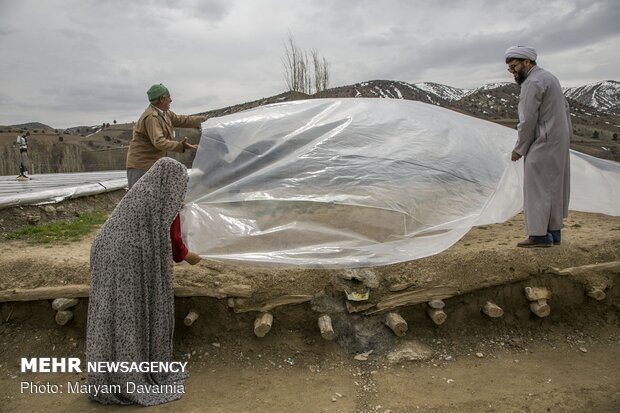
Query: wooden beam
x,y
540,308
44,293
82,290
190,318
326,328
396,323
414,297
273,303
437,315
262,324
612,266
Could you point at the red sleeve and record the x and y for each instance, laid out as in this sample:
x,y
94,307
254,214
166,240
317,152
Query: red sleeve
x,y
179,250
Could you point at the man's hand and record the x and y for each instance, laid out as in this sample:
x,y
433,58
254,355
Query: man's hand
x,y
192,258
187,145
515,156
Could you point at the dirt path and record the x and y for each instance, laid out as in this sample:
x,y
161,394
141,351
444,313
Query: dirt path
x,y
557,369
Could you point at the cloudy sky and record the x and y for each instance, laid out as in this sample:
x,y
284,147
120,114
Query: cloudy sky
x,y
85,62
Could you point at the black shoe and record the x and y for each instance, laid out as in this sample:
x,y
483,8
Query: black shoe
x,y
557,236
543,241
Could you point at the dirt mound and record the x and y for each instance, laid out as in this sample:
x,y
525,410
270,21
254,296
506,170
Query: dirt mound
x,y
565,362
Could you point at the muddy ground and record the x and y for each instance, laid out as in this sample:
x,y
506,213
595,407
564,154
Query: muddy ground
x,y
567,362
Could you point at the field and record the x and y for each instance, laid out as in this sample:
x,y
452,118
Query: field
x,y
518,363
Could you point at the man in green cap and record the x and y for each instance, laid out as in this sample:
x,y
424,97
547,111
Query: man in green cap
x,y
153,134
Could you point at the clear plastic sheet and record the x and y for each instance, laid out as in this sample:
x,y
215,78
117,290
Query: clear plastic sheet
x,y
353,182
57,187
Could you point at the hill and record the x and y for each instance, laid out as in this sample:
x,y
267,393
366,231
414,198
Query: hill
x,y
595,111
604,96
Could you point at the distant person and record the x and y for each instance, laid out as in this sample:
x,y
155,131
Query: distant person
x,y
153,133
544,133
131,301
22,142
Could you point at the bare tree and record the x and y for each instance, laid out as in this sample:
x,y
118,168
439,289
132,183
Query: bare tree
x,y
295,64
321,72
297,69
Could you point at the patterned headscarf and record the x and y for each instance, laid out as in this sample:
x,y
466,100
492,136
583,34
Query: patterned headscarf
x,y
131,302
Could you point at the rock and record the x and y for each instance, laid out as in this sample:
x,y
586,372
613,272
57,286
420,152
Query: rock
x,y
409,350
437,304
583,349
492,310
60,304
365,275
363,356
597,293
63,317
33,219
537,293
49,209
479,355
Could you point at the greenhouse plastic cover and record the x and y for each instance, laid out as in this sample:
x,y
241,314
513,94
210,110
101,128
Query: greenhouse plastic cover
x,y
359,182
56,187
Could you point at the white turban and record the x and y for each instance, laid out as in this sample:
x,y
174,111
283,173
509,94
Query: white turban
x,y
521,52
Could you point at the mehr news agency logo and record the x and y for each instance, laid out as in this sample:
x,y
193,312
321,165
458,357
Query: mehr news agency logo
x,y
74,365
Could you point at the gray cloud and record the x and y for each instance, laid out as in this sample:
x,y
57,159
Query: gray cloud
x,y
78,61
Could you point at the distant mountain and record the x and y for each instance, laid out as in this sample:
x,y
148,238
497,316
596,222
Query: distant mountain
x,y
32,125
447,93
389,89
604,96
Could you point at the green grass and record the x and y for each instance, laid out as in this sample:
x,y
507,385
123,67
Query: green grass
x,y
60,231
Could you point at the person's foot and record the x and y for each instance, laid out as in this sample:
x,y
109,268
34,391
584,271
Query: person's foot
x,y
542,241
557,237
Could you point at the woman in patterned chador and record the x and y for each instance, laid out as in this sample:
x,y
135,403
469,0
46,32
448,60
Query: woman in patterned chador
x,y
131,304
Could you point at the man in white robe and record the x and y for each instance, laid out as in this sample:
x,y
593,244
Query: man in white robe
x,y
544,132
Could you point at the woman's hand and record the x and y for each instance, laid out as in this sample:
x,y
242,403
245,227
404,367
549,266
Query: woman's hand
x,y
192,258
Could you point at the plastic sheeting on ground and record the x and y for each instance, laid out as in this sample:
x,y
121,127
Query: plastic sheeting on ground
x,y
359,182
52,188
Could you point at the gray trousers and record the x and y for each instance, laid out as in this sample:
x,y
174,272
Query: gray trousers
x,y
24,165
133,175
